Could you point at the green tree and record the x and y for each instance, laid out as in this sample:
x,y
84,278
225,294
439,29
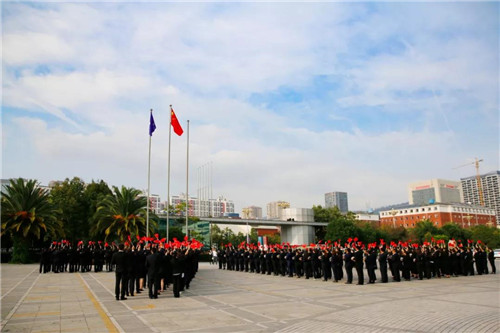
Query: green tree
x,y
93,195
423,230
69,199
27,214
454,231
274,239
122,214
389,233
176,232
340,226
488,235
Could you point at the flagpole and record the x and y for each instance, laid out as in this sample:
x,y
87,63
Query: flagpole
x,y
187,181
168,181
149,178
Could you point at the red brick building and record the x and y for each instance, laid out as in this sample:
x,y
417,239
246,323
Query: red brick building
x,y
439,214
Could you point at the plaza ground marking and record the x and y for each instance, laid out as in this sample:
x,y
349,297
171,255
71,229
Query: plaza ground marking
x,y
107,321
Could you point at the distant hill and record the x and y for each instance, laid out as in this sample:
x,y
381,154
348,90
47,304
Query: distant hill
x,y
389,207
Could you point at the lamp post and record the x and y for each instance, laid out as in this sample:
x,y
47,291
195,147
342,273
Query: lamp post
x,y
468,217
393,213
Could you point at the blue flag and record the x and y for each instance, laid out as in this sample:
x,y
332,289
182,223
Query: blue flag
x,y
152,125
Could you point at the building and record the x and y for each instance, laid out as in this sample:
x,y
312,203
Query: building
x,y
439,214
368,217
154,202
274,209
204,208
297,214
338,199
490,190
434,190
252,212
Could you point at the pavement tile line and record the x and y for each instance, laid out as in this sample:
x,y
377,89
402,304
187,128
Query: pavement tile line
x,y
17,284
112,326
18,304
145,322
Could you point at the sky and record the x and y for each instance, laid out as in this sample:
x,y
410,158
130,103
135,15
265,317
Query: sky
x,y
287,101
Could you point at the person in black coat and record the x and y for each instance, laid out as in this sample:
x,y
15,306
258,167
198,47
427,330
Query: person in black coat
x,y
120,260
131,270
491,259
358,263
349,264
371,265
382,263
396,265
153,269
177,262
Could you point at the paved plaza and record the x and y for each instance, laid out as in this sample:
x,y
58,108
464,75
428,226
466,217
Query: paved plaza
x,y
229,301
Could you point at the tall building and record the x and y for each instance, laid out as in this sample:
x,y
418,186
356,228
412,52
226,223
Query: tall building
x,y
275,208
252,212
439,214
490,189
338,199
434,190
154,202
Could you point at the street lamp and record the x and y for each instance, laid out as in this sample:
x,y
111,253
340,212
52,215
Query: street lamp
x,y
468,217
393,213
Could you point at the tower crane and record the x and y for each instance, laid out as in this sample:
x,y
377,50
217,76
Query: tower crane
x,y
478,178
246,211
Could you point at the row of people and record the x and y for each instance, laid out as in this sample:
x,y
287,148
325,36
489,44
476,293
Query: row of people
x,y
151,264
401,262
157,265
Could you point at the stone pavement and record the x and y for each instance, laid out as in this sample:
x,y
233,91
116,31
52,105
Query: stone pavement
x,y
229,301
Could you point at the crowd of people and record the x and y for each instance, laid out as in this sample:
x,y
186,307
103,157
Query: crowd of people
x,y
149,262
401,261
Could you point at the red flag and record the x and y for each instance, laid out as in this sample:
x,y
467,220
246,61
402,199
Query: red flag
x,y
175,123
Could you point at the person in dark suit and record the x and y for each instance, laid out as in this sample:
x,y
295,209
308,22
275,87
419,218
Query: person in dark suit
x,y
382,263
491,259
371,265
120,260
152,265
358,262
177,270
349,264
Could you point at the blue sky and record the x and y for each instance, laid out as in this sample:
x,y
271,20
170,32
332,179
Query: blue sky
x,y
289,100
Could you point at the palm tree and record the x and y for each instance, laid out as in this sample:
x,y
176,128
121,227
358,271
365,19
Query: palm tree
x,y
122,214
27,213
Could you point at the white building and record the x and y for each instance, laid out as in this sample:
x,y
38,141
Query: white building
x,y
433,191
297,214
154,202
205,208
252,212
368,217
275,208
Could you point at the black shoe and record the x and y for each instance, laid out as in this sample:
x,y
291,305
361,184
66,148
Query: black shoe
x,y
123,298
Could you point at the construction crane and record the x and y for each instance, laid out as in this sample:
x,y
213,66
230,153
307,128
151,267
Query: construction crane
x,y
246,212
478,178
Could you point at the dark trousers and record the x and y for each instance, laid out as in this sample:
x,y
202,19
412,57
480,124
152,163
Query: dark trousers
x,y
383,273
131,284
371,274
153,285
348,271
120,284
493,267
177,283
361,276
